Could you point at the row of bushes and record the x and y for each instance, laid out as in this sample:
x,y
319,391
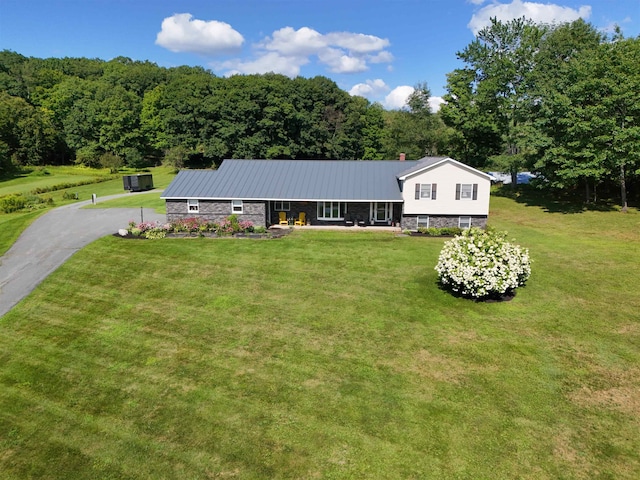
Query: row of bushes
x,y
229,226
440,232
62,186
17,201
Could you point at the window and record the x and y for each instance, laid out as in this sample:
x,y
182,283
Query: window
x,y
331,210
381,211
426,191
464,222
282,206
236,206
466,191
423,221
193,206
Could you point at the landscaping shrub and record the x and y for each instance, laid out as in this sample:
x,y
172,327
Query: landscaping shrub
x,y
62,186
440,232
482,264
15,202
227,227
12,203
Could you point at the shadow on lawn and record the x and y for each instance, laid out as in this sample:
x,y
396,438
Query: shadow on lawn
x,y
558,202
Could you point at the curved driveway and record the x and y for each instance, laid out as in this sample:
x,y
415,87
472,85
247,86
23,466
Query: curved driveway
x,y
52,238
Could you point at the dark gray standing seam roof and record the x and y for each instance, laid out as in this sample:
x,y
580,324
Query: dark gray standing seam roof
x,y
310,180
420,164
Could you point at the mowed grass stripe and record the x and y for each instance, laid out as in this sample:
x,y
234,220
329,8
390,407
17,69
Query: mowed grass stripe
x,y
323,354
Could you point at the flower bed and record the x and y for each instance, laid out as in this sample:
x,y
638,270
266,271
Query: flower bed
x,y
196,227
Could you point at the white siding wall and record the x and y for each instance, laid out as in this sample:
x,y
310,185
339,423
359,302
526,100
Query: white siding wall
x,y
446,176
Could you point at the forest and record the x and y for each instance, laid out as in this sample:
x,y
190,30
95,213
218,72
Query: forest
x,y
562,101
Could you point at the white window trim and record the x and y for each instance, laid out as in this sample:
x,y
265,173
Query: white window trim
x,y
195,203
234,206
422,191
341,211
418,221
460,222
281,204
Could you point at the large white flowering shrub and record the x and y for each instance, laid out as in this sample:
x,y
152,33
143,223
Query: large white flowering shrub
x,y
482,264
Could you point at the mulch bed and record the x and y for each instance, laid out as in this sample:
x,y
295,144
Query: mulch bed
x,y
269,234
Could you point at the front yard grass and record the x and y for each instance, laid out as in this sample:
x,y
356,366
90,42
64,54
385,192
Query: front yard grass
x,y
327,355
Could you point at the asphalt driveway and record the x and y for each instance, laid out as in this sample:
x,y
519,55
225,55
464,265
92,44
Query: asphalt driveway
x,y
50,240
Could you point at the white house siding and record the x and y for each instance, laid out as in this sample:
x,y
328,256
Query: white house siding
x,y
446,175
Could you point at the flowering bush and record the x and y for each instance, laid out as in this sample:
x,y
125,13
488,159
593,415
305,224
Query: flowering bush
x,y
482,264
228,226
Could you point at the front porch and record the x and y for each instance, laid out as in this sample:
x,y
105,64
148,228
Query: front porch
x,y
336,214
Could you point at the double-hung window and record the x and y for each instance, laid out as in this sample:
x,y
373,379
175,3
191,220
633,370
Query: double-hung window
x,y
236,206
331,210
193,205
466,191
464,222
282,206
426,191
423,221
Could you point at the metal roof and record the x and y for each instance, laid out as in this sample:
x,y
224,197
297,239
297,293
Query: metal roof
x,y
428,162
420,164
310,180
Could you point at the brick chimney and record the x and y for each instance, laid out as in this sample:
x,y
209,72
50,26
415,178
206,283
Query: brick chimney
x,y
402,157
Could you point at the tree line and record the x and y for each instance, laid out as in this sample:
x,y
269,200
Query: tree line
x,y
560,100
125,112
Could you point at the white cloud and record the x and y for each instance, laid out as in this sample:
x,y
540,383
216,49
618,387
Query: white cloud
x,y
182,33
397,98
382,57
269,62
537,12
434,103
339,62
371,89
288,41
340,52
357,42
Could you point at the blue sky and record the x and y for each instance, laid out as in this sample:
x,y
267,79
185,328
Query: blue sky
x,y
379,49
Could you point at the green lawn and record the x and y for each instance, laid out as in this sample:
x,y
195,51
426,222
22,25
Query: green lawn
x,y
147,200
46,177
328,355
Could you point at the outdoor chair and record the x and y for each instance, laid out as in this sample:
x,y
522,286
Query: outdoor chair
x,y
348,220
282,218
301,219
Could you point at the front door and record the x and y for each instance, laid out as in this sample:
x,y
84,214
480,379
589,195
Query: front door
x,y
381,211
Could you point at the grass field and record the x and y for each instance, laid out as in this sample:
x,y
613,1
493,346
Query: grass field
x,y
45,177
328,355
147,200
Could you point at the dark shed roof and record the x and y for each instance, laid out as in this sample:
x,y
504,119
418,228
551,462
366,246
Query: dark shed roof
x,y
312,180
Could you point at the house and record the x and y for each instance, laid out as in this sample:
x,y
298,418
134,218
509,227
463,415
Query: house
x,y
430,192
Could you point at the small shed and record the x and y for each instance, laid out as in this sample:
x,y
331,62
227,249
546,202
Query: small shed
x,y
138,182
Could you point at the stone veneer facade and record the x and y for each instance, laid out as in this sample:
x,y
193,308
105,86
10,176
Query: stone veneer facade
x,y
216,211
440,221
257,213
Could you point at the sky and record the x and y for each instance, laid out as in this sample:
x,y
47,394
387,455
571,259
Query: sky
x,y
378,49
